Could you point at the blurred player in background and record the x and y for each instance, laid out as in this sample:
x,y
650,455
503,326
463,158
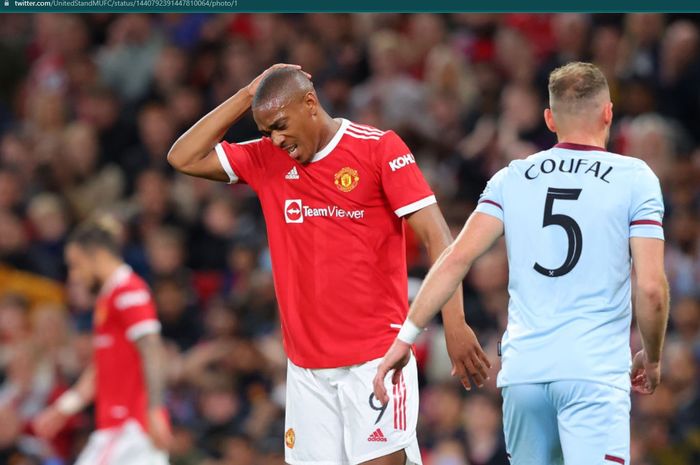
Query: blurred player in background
x,y
126,379
572,216
334,195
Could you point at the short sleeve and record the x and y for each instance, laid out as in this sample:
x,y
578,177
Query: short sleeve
x,y
491,199
242,161
647,206
135,309
402,181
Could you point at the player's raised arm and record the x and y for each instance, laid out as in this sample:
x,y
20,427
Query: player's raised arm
x,y
54,417
651,309
193,153
462,345
478,234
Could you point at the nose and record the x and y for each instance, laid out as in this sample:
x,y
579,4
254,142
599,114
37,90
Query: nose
x,y
277,138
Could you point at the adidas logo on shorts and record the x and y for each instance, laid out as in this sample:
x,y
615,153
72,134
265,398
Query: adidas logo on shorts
x,y
377,436
293,174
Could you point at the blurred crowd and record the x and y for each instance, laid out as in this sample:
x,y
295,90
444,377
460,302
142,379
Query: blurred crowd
x,y
90,105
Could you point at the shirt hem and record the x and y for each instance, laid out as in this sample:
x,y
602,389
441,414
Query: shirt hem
x,y
119,424
501,384
338,363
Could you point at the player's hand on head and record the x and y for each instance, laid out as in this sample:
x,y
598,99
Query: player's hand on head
x,y
395,359
468,358
253,86
159,428
645,375
49,422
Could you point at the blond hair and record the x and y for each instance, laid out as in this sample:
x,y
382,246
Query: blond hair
x,y
575,86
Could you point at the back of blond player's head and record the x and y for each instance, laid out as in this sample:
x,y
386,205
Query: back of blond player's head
x,y
99,232
576,90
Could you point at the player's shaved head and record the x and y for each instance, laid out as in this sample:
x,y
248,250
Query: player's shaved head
x,y
576,89
280,87
287,111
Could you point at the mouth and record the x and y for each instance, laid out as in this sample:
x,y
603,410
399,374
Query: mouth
x,y
292,150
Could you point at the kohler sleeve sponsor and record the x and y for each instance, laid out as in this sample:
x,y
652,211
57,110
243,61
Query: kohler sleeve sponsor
x,y
401,161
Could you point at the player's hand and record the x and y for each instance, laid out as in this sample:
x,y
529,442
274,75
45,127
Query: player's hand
x,y
159,428
253,86
645,375
49,422
395,359
467,356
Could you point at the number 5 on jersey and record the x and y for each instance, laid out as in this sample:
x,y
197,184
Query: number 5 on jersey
x,y
573,231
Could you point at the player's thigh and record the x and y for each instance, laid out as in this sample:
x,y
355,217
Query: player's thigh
x,y
594,422
313,419
530,426
373,430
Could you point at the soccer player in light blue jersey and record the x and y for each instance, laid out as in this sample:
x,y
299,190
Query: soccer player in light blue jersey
x,y
577,220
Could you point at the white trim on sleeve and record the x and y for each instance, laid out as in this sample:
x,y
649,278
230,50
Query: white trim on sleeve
x,y
142,328
415,206
221,155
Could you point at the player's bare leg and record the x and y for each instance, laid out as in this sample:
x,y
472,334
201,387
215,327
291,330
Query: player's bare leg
x,y
397,458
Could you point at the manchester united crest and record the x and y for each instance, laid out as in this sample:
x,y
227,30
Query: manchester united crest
x,y
289,438
346,179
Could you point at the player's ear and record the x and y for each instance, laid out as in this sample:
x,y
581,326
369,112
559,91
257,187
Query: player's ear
x,y
311,102
549,120
608,113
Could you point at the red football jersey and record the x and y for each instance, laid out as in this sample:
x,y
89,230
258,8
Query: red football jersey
x,y
336,239
124,311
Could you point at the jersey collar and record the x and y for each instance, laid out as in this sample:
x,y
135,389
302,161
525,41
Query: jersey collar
x,y
325,151
584,147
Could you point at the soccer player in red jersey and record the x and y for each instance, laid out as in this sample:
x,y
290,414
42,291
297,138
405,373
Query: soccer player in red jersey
x,y
335,195
126,379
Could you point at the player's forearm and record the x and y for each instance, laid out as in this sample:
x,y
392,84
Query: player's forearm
x,y
478,234
652,304
430,226
201,138
150,348
439,287
81,394
85,386
453,310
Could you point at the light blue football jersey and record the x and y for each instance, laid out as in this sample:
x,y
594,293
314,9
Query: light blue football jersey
x,y
568,215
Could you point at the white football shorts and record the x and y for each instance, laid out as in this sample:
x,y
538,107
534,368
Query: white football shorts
x,y
333,418
127,444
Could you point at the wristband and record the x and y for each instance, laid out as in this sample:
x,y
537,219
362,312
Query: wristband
x,y
69,403
409,332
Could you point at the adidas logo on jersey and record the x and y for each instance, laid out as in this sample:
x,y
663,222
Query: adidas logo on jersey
x,y
377,436
293,174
